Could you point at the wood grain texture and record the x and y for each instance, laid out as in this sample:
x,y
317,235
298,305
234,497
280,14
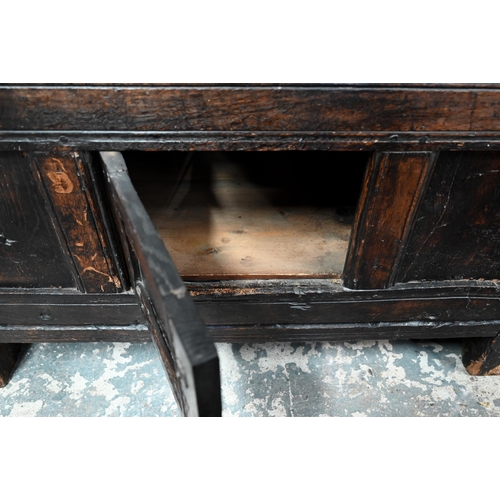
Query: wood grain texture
x,y
457,228
251,117
250,108
30,249
90,169
393,187
77,222
481,356
177,327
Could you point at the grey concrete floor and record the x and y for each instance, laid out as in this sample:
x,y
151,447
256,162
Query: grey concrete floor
x,y
370,378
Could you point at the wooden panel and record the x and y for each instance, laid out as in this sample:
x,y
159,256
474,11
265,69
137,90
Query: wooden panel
x,y
256,215
188,354
60,176
393,188
30,250
457,229
251,108
92,175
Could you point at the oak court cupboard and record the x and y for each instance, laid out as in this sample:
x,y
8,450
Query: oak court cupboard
x,y
201,213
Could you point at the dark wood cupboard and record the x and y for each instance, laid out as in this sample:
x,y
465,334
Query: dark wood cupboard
x,y
196,214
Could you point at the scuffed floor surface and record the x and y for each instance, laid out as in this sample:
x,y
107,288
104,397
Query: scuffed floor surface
x,y
372,378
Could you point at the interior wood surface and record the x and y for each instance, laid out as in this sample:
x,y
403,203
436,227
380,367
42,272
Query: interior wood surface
x,y
240,216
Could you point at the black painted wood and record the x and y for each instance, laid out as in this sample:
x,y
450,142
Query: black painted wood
x,y
319,302
45,308
31,254
28,334
352,332
191,363
457,229
44,315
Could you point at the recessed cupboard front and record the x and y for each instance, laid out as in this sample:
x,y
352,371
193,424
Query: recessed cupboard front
x,y
329,213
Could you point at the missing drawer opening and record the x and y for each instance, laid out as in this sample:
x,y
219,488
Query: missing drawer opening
x,y
251,215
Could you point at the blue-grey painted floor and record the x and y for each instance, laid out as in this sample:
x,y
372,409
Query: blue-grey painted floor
x,y
371,378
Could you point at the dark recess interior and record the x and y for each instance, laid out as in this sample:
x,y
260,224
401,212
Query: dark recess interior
x,y
251,215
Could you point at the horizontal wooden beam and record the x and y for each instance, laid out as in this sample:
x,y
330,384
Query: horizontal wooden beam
x,y
352,332
39,309
322,302
68,333
253,108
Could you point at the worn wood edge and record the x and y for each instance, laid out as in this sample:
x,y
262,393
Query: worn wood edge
x,y
481,357
363,210
32,309
169,362
50,296
61,314
255,85
254,141
320,301
328,311
352,332
91,168
74,333
206,402
90,187
239,289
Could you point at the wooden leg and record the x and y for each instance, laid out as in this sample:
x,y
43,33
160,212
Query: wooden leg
x,y
9,356
481,356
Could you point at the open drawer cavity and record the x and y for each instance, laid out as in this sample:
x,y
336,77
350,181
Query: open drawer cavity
x,y
251,215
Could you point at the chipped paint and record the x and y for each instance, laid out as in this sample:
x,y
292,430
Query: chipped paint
x,y
5,241
359,379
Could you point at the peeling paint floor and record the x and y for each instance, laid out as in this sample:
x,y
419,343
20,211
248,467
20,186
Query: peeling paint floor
x,y
370,378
